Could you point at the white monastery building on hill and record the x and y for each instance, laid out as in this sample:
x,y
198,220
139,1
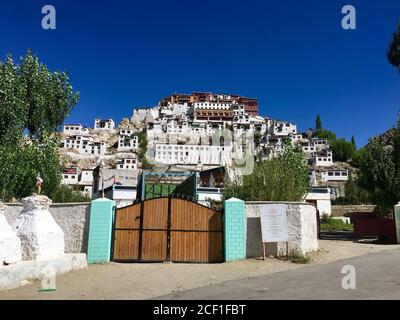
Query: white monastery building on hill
x,y
180,131
127,141
106,125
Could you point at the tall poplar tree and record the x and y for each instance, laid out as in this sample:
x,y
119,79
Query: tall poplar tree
x,y
34,102
393,53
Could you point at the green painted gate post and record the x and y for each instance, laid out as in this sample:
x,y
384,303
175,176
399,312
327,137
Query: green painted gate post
x,y
100,230
234,230
397,220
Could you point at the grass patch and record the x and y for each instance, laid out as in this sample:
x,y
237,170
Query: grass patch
x,y
296,256
329,224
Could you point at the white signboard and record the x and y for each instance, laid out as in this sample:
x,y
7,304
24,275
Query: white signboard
x,y
274,226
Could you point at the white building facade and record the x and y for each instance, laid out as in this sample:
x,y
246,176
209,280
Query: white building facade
x,y
106,125
127,141
193,154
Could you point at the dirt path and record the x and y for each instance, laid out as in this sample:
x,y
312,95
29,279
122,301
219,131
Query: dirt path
x,y
144,281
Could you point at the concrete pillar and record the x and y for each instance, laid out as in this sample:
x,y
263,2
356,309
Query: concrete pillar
x,y
100,230
397,220
234,230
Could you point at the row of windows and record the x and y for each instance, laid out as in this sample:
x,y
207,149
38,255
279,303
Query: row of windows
x,y
127,144
200,159
72,128
130,161
126,131
337,174
121,166
176,152
206,148
205,104
77,142
311,145
84,147
67,177
94,150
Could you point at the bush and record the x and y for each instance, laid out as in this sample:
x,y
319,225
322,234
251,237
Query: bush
x,y
296,256
329,224
354,194
284,178
64,194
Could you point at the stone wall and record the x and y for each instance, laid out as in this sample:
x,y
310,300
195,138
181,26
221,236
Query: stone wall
x,y
342,210
73,218
302,229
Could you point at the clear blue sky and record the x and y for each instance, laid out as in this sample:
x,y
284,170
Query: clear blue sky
x,y
293,55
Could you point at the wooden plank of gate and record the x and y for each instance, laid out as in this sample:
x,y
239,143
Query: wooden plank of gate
x,y
194,242
126,245
155,214
154,241
154,246
126,241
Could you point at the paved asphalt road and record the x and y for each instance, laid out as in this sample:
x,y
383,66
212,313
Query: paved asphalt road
x,y
377,277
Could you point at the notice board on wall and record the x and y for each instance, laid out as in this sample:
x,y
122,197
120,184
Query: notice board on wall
x,y
274,224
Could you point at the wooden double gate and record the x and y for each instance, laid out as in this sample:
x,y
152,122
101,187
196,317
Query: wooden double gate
x,y
167,229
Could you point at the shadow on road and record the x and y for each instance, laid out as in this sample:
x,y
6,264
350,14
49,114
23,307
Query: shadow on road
x,y
338,235
350,236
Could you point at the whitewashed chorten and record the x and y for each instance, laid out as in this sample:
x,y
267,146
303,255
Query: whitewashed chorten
x,y
10,245
41,237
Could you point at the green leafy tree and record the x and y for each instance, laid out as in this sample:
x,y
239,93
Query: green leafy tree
x,y
146,165
318,123
325,134
12,104
343,150
284,178
32,99
393,53
33,104
354,194
49,96
380,173
353,142
257,138
356,159
21,163
64,194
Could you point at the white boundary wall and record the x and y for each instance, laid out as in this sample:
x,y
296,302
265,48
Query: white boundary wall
x,y
73,219
302,229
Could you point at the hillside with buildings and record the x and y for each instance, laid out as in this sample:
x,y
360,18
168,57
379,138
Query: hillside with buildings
x,y
195,132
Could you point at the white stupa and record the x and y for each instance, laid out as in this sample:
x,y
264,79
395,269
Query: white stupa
x,y
10,245
41,237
